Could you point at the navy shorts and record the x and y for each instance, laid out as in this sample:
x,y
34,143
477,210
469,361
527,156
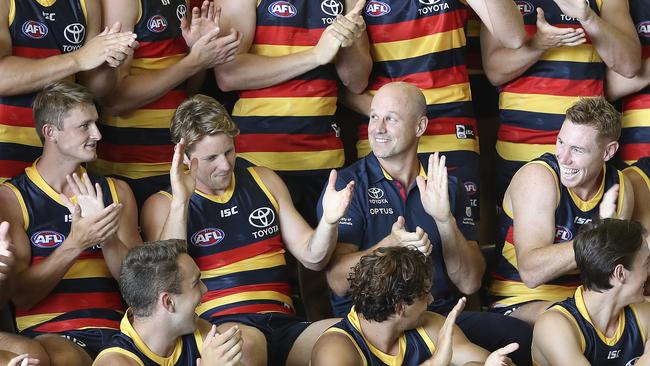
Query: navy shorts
x,y
280,330
92,340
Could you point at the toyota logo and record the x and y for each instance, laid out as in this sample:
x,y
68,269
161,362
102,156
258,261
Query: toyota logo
x,y
262,217
74,33
332,7
429,2
375,193
181,10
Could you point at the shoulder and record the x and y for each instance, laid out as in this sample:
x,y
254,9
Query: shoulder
x,y
339,343
117,356
556,323
642,312
11,204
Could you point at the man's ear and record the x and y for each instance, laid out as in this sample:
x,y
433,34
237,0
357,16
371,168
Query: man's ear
x,y
610,150
49,132
166,301
423,122
618,276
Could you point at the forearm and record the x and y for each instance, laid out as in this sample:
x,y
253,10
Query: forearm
x,y
619,51
463,260
506,23
21,75
353,65
541,265
359,103
618,86
114,251
175,226
38,280
504,64
249,71
321,245
100,81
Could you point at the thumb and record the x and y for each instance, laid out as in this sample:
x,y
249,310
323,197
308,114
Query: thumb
x,y
504,351
399,224
198,362
540,16
76,212
422,186
331,181
115,28
358,7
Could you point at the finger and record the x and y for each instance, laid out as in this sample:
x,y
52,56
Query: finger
x,y
177,159
458,308
217,15
431,168
73,185
504,351
115,28
213,330
4,232
211,11
331,180
574,38
358,7
234,350
76,212
88,185
66,202
198,362
541,20
399,224
576,43
203,12
81,187
99,193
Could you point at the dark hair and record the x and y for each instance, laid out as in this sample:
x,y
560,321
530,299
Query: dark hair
x,y
148,270
598,113
602,245
387,277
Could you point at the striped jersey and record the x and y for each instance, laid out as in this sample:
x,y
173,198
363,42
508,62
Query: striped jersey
x,y
38,29
128,343
87,296
570,214
290,126
236,243
532,106
635,133
137,144
415,346
423,43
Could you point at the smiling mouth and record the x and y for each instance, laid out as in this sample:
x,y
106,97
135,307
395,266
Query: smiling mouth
x,y
568,172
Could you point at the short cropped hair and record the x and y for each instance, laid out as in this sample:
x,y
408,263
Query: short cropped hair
x,y
600,246
53,103
200,116
598,113
148,270
387,277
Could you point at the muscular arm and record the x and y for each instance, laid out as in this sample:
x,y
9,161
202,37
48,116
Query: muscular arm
x,y
503,20
463,259
618,86
464,352
641,210
533,197
115,358
556,341
162,218
353,63
335,344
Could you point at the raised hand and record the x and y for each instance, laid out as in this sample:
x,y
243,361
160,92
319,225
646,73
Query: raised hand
x,y
607,208
418,238
341,33
183,181
6,253
118,54
203,21
211,50
500,356
335,203
105,47
434,192
89,198
223,349
548,36
444,345
575,9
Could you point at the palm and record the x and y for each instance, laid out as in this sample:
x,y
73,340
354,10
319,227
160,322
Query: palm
x,y
203,21
573,8
434,192
335,203
89,198
183,182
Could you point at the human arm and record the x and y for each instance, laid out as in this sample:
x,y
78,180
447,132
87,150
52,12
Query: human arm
x,y
220,349
502,19
21,75
618,86
641,189
6,264
359,103
115,359
463,259
353,62
556,341
334,343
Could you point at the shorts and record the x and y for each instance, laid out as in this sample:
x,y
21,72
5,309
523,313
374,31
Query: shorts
x,y
92,340
280,330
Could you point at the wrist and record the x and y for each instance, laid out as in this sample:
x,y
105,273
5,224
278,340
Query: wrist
x,y
588,18
190,64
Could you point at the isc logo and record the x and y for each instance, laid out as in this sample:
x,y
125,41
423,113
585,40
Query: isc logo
x,y
207,237
34,29
643,29
282,9
377,8
562,234
47,239
525,8
157,24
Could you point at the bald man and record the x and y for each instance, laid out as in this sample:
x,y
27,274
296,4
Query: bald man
x,y
388,209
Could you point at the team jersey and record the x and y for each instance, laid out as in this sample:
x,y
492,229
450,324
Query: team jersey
x,y
137,144
290,126
642,167
87,296
235,240
415,346
570,214
38,29
423,43
635,133
623,348
377,202
533,105
128,343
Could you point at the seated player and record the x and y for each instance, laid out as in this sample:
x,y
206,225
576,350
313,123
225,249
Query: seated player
x,y
548,200
67,255
162,286
389,324
606,322
238,222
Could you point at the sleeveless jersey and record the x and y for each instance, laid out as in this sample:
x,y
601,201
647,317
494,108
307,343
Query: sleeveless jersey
x,y
290,126
425,45
635,133
415,346
623,349
570,214
532,106
36,31
87,296
235,240
128,343
642,167
137,144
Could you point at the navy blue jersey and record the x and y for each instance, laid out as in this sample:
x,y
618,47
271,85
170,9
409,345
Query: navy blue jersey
x,y
235,240
642,166
415,346
570,214
87,296
128,343
623,349
377,203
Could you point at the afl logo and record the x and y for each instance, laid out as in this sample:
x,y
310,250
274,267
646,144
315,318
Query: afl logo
x,y
282,9
525,8
47,239
157,24
207,237
643,29
34,29
377,8
562,234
